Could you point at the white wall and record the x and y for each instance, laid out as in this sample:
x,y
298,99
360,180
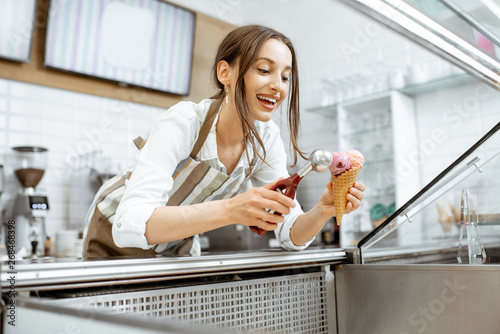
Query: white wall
x,y
70,125
461,116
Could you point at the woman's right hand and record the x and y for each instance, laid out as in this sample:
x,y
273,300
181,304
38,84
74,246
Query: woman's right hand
x,y
252,207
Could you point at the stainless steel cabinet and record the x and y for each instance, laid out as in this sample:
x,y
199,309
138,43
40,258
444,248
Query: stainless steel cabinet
x,y
253,292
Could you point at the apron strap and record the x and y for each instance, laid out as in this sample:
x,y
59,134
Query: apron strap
x,y
205,128
202,135
139,142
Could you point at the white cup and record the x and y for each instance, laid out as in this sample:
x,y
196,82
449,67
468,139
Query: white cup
x,y
66,243
397,79
418,73
79,248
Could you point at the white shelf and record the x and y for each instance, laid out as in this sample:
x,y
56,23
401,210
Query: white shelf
x,y
378,99
383,145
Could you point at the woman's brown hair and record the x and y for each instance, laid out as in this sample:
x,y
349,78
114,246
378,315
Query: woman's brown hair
x,y
240,47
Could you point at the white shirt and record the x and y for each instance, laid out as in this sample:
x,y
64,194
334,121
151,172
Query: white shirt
x,y
171,140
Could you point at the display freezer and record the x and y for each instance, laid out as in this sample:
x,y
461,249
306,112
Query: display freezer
x,y
428,269
431,267
252,292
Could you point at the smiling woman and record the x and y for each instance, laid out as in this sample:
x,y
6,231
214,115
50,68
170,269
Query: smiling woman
x,y
267,79
214,163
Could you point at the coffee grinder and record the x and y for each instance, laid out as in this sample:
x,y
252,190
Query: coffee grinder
x,y
30,208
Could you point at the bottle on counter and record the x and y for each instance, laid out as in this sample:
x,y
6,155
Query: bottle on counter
x,y
330,235
34,244
47,246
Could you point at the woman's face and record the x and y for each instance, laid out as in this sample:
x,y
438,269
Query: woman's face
x,y
266,81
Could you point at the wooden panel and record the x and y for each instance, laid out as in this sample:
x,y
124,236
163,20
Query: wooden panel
x,y
209,32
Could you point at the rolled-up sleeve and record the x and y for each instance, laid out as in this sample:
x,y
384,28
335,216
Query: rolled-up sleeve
x,y
272,171
169,143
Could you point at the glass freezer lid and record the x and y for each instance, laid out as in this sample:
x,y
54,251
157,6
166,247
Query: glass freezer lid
x,y
464,32
458,208
476,22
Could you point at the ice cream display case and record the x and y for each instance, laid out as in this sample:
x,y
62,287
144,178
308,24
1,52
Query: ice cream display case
x,y
459,206
457,210
430,264
434,264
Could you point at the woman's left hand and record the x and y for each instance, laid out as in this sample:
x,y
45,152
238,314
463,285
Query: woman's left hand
x,y
354,197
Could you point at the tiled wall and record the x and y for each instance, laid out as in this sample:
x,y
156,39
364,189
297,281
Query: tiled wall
x,y
73,127
462,114
319,131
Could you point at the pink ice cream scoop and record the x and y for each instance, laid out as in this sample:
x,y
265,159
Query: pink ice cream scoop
x,y
340,163
357,159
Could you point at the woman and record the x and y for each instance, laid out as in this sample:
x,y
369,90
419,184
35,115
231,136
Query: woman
x,y
214,163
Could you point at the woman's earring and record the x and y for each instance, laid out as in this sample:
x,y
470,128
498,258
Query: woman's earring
x,y
227,94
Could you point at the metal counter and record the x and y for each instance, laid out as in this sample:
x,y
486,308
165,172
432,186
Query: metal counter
x,y
75,273
417,298
274,291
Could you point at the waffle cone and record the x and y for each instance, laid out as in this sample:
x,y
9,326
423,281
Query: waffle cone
x,y
341,185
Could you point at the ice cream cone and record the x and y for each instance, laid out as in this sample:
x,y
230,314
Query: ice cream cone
x,y
341,185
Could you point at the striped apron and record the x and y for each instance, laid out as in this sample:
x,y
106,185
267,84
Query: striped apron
x,y
194,182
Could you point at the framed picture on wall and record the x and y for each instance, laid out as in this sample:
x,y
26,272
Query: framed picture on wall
x,y
145,43
16,29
